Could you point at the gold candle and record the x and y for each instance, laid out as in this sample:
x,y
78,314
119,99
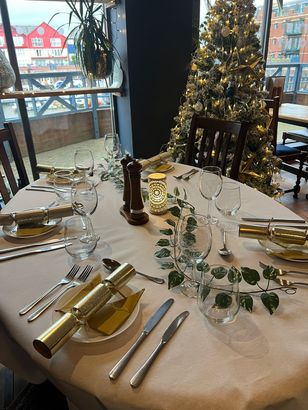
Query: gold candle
x,y
157,193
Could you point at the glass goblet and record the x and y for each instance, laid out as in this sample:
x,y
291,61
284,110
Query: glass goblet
x,y
84,162
84,197
62,183
210,184
228,201
195,241
79,236
113,148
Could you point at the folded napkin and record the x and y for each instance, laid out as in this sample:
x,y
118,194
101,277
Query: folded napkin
x,y
108,319
29,230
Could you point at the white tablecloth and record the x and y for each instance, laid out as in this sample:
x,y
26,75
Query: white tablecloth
x,y
258,362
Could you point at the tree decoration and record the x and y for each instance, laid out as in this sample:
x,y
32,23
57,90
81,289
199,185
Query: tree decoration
x,y
170,259
226,82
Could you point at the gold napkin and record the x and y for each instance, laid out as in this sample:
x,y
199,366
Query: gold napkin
x,y
108,319
29,230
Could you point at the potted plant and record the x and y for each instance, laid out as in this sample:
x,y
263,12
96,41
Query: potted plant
x,y
95,53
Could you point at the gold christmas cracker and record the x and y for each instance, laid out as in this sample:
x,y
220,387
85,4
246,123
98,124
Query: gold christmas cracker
x,y
51,169
154,160
273,233
49,342
36,215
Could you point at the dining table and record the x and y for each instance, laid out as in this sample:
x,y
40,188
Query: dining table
x,y
260,361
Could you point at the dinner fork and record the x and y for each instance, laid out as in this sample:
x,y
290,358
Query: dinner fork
x,y
64,281
186,174
81,278
281,272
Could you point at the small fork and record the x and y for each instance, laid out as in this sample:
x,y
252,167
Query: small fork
x,y
81,278
281,272
186,175
67,279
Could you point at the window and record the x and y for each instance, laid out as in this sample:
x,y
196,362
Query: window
x,y
55,42
303,85
276,25
274,41
56,53
38,53
18,41
37,42
1,41
294,27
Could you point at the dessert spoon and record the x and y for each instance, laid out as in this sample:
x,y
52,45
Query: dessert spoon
x,y
112,264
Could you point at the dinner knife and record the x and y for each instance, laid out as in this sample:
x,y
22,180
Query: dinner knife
x,y
32,245
139,376
297,221
33,251
51,191
149,326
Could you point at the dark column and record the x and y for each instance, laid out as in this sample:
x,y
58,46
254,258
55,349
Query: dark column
x,y
155,40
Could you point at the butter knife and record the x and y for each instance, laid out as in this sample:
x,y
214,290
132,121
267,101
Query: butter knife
x,y
285,282
32,245
149,326
297,221
139,376
32,251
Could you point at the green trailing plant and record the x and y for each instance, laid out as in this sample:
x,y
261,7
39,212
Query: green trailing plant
x,y
95,53
178,264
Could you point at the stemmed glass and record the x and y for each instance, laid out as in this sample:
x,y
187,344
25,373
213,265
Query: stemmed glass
x,y
84,197
228,201
195,241
79,236
113,148
210,186
84,162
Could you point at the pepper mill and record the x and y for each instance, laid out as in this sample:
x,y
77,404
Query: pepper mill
x,y
125,208
137,215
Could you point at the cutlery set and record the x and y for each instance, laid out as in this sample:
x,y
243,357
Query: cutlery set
x,y
149,326
67,280
282,272
187,175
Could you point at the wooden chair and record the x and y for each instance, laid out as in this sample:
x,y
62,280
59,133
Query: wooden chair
x,y
214,146
288,154
8,138
275,87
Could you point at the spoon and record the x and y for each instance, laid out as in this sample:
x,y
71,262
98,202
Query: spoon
x,y
224,251
112,264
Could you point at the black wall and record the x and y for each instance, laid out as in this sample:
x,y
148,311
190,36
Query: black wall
x,y
155,40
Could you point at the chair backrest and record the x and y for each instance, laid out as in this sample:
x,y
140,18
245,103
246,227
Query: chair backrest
x,y
8,138
275,87
272,107
221,143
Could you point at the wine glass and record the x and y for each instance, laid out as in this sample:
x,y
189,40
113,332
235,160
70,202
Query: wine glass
x,y
113,148
84,197
84,162
79,236
195,241
62,182
210,184
228,201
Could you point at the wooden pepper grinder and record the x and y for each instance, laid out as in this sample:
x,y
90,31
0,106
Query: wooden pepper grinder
x,y
125,208
137,215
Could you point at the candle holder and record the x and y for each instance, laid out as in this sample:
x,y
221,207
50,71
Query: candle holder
x,y
157,193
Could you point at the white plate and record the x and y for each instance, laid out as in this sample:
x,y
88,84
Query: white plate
x,y
10,230
284,251
88,335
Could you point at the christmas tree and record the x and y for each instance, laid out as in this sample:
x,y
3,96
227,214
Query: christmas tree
x,y
226,81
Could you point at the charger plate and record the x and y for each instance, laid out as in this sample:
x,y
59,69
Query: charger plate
x,y
88,335
11,230
288,252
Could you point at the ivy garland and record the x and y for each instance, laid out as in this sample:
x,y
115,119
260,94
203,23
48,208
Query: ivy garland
x,y
168,250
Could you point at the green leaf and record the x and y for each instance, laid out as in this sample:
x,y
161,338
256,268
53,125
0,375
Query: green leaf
x,y
269,273
250,276
191,224
163,242
167,265
203,267
234,275
246,302
219,272
180,202
163,253
188,239
170,222
270,300
185,194
175,278
166,231
223,300
175,211
176,191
